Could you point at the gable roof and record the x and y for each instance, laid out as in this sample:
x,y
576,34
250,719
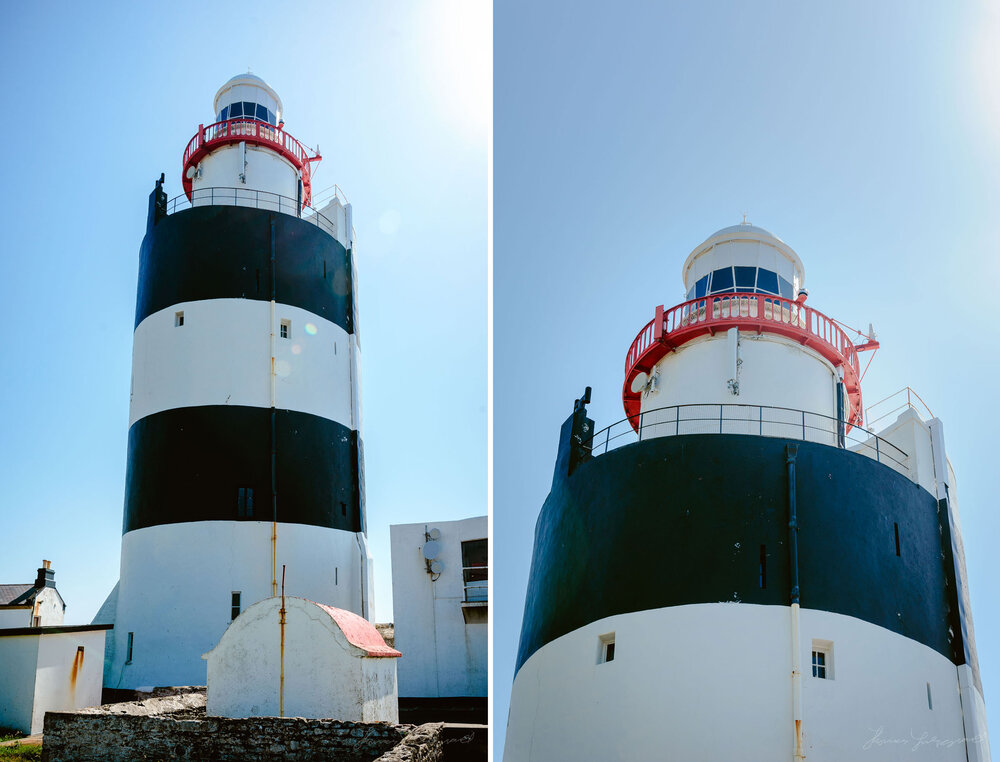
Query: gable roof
x,y
359,632
14,595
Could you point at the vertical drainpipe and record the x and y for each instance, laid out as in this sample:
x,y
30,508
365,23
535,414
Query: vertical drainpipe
x,y
281,623
274,448
841,434
791,452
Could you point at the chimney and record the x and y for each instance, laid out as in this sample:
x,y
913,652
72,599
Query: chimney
x,y
46,577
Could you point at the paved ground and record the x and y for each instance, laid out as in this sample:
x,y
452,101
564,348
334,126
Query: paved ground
x,y
35,740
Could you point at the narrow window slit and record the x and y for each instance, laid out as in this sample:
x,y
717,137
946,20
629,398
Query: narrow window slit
x,y
895,528
763,567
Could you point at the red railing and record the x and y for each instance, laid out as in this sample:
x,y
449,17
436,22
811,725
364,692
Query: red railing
x,y
256,133
748,312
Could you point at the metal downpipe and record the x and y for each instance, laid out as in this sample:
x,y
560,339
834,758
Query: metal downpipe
x,y
791,452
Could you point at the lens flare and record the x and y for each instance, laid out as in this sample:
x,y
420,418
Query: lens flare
x,y
296,349
310,329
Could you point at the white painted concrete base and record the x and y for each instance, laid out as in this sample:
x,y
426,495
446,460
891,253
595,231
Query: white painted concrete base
x,y
713,682
177,582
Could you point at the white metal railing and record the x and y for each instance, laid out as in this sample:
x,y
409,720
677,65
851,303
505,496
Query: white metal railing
x,y
256,199
759,420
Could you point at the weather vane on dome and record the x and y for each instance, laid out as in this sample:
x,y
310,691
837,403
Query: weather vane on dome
x,y
745,219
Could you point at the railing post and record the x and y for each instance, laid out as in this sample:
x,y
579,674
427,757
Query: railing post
x,y
720,417
677,420
607,439
877,458
760,414
640,427
803,425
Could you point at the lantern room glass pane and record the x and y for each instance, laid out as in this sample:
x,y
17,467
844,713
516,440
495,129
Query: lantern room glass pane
x,y
722,280
785,288
224,114
261,113
767,281
746,278
236,110
701,287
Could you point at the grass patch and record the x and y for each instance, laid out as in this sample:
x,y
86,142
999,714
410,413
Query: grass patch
x,y
20,753
9,734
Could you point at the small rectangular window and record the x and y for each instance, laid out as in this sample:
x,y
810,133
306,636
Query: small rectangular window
x,y
128,649
36,621
895,529
235,610
244,503
286,328
475,570
819,664
822,659
178,319
606,648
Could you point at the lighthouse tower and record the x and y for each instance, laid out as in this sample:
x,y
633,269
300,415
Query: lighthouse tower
x,y
739,569
244,450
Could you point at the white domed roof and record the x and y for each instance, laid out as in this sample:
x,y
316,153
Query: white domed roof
x,y
243,83
744,227
748,239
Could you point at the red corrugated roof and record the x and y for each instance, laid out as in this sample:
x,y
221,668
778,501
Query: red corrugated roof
x,y
360,632
10,593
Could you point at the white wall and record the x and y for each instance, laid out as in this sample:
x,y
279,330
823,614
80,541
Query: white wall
x,y
775,371
222,356
67,678
325,676
265,171
49,607
16,616
442,654
18,657
177,581
711,681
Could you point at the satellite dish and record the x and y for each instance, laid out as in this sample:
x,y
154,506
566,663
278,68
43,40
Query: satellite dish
x,y
437,567
434,534
639,383
432,549
191,171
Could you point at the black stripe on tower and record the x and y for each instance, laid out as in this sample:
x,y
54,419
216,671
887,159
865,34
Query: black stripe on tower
x,y
218,252
681,520
191,463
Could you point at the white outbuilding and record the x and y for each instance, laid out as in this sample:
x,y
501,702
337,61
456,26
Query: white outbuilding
x,y
302,659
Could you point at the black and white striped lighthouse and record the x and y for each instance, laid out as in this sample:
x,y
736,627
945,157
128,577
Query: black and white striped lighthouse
x,y
244,450
739,569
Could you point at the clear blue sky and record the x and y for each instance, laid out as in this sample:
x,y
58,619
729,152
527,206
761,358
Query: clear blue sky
x,y
866,135
102,97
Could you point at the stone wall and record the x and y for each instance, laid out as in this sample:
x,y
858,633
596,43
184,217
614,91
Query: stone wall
x,y
175,728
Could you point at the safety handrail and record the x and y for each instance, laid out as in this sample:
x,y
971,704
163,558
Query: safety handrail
x,y
746,311
252,131
249,197
761,420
